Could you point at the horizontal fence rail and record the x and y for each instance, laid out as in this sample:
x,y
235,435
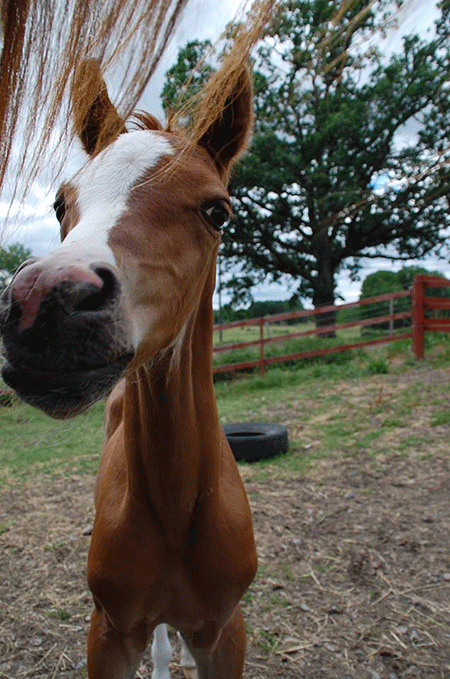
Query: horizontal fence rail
x,y
304,313
265,322
423,307
408,323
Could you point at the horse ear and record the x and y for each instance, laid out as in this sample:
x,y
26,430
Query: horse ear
x,y
96,120
228,135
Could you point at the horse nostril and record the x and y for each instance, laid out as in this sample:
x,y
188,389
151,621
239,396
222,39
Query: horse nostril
x,y
94,298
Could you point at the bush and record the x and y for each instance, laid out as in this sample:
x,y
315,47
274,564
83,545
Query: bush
x,y
6,398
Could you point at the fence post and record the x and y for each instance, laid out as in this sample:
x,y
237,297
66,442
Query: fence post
x,y
262,365
418,317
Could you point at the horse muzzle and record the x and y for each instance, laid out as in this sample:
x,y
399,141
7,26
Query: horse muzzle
x,y
65,335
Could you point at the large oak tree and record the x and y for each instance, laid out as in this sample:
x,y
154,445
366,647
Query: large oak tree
x,y
330,109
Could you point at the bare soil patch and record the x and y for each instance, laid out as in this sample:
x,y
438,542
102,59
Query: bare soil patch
x,y
354,577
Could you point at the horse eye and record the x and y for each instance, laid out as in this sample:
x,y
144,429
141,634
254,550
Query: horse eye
x,y
59,207
217,215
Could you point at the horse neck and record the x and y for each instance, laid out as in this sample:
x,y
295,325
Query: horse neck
x,y
171,426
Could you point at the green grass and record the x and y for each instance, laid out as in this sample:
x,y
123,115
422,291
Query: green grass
x,y
441,418
30,440
292,345
328,419
59,614
332,406
252,332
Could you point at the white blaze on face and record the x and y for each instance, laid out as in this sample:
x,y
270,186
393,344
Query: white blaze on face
x,y
103,187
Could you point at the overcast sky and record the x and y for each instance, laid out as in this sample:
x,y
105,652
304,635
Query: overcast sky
x,y
35,225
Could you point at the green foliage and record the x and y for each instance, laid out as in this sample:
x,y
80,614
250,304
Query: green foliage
x,y
289,346
174,94
228,313
382,282
378,366
10,260
328,115
379,283
305,203
406,275
60,614
7,397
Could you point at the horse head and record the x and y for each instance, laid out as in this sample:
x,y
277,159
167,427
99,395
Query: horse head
x,y
140,226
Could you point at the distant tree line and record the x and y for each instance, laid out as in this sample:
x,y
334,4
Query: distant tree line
x,y
229,313
377,283
383,282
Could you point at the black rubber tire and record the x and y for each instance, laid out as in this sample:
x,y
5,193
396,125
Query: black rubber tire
x,y
254,441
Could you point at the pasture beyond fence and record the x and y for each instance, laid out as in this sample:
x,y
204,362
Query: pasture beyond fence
x,y
394,316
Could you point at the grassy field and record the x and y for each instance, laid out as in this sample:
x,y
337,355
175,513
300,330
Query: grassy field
x,y
285,346
252,332
30,441
352,524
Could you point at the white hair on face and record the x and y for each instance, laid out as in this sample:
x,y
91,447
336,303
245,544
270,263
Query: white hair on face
x,y
103,187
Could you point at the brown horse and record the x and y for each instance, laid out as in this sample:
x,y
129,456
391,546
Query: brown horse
x,y
129,292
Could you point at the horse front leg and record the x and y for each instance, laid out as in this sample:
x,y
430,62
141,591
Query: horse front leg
x,y
225,660
113,654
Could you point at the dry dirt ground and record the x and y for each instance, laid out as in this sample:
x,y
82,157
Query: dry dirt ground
x,y
354,577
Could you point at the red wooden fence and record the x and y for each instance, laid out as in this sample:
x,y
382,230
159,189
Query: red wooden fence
x,y
421,303
419,325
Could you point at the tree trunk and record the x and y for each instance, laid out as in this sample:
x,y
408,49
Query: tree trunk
x,y
324,320
324,287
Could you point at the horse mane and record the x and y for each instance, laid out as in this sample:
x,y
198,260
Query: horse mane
x,y
207,105
146,121
45,40
203,108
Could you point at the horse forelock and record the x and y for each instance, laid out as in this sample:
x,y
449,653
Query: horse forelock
x,y
142,120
